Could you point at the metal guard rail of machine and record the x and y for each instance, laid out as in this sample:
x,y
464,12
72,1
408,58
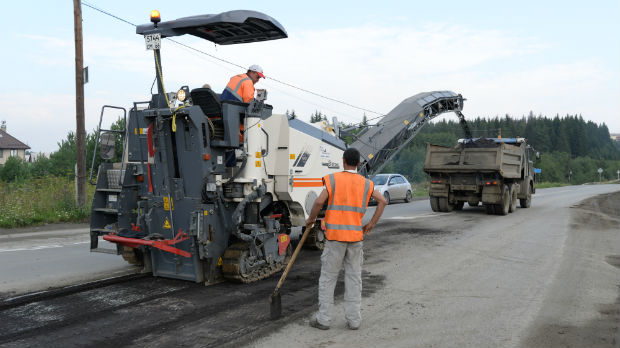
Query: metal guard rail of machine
x,y
163,244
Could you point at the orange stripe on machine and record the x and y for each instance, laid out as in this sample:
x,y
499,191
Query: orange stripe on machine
x,y
307,182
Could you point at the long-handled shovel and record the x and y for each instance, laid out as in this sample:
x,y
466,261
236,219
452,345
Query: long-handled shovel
x,y
275,301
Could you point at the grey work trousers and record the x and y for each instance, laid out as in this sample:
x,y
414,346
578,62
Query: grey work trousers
x,y
332,259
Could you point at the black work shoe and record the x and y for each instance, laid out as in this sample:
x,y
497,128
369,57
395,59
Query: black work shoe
x,y
314,323
352,327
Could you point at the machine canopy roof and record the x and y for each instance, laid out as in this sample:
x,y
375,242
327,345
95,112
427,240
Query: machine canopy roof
x,y
226,28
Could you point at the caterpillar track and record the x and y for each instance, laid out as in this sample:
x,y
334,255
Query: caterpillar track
x,y
235,265
316,239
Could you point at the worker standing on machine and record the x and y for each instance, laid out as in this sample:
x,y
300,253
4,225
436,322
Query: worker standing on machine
x,y
347,194
241,87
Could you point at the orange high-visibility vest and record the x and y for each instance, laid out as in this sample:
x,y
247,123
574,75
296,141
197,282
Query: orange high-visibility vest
x,y
348,198
241,87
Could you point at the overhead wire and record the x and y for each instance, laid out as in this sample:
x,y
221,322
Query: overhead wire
x,y
273,86
380,114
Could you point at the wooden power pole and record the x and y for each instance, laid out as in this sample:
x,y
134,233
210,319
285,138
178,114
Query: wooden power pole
x,y
80,133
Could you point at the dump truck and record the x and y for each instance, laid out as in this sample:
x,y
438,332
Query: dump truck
x,y
210,190
492,171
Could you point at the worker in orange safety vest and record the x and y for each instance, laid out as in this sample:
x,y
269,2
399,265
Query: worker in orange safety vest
x,y
347,194
241,87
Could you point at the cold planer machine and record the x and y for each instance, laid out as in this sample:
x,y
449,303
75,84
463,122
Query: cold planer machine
x,y
209,189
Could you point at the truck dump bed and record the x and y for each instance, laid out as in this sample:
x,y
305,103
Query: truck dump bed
x,y
501,157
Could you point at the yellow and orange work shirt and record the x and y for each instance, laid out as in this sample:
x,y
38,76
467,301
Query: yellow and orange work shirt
x,y
240,88
348,198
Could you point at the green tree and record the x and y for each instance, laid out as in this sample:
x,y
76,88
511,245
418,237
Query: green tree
x,y
556,138
13,169
62,162
40,167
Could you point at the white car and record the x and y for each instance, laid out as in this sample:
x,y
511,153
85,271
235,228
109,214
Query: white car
x,y
392,187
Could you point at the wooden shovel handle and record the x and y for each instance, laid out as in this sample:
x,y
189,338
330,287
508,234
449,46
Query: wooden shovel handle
x,y
290,263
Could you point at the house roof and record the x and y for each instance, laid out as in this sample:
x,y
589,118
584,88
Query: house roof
x,y
9,142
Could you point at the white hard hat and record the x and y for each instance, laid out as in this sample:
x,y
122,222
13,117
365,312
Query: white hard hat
x,y
258,70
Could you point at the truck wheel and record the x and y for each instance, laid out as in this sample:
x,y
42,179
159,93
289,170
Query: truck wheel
x,y
408,197
526,202
386,195
434,203
513,199
490,208
459,206
504,206
445,205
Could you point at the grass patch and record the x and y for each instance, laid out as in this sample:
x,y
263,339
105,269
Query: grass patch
x,y
551,184
43,200
420,189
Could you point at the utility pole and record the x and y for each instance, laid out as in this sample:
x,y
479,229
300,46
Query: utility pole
x,y
80,132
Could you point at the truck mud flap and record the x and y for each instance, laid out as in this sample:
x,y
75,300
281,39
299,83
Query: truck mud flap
x,y
492,194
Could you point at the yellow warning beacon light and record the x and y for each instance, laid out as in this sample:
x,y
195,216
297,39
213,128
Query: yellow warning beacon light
x,y
155,18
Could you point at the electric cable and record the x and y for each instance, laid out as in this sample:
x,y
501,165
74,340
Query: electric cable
x,y
380,114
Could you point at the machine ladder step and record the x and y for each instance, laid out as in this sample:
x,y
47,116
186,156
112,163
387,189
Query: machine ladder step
x,y
109,190
105,251
106,210
102,230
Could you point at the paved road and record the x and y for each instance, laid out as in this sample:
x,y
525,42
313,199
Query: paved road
x,y
39,259
544,276
35,259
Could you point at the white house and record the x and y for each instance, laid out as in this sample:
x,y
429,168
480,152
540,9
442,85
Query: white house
x,y
9,146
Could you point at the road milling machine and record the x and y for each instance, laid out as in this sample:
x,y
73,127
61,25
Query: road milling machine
x,y
208,189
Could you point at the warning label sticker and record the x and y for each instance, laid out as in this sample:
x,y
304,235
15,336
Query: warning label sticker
x,y
167,224
168,204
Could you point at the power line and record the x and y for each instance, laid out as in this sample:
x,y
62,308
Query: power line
x,y
242,67
107,13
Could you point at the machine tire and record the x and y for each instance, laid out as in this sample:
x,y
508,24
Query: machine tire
x,y
434,203
473,203
459,206
504,206
386,195
513,199
445,205
526,202
408,197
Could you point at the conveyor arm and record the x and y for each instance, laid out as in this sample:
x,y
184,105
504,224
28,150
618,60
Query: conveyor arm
x,y
380,143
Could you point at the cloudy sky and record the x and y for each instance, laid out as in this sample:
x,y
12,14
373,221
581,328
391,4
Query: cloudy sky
x,y
549,57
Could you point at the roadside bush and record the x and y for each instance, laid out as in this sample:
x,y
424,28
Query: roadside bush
x,y
48,199
13,170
